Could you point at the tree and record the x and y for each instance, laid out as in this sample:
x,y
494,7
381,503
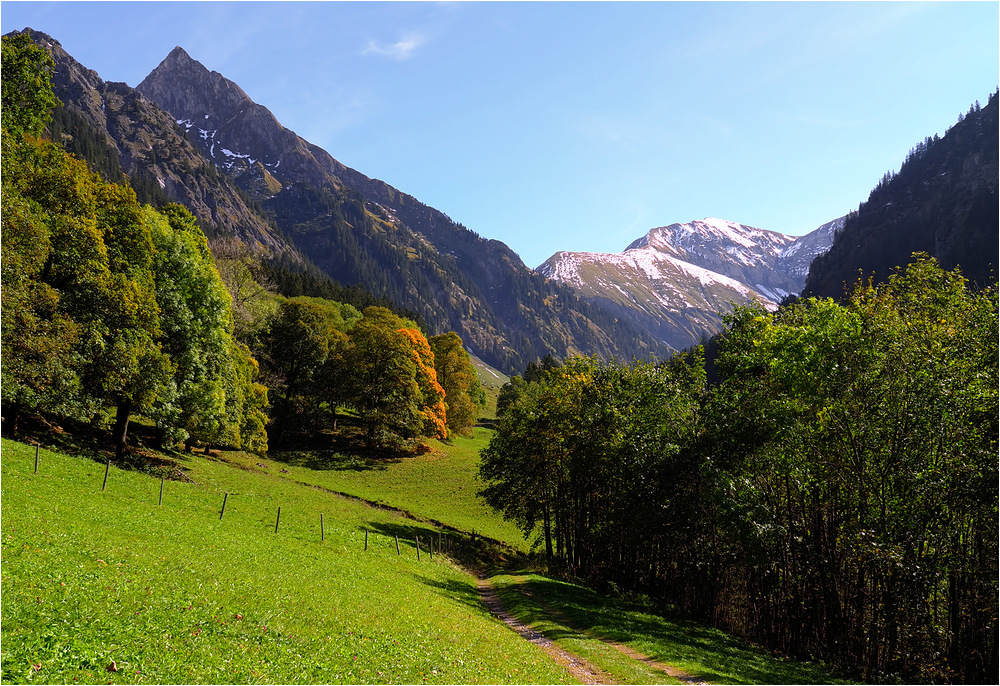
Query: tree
x,y
39,340
240,265
383,372
298,344
586,451
432,408
459,380
211,395
863,438
88,284
27,97
509,393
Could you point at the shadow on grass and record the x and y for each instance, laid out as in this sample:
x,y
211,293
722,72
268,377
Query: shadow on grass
x,y
332,459
724,656
456,589
343,449
73,437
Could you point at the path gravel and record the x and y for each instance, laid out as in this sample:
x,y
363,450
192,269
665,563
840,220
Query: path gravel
x,y
581,669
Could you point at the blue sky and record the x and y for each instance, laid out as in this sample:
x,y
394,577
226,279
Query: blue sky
x,y
580,126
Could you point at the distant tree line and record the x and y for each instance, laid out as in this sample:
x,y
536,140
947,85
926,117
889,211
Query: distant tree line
x,y
832,496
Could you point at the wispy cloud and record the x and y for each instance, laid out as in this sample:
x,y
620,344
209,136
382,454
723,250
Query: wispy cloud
x,y
400,50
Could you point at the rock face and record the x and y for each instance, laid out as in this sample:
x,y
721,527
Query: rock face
x,y
143,143
362,231
677,280
238,135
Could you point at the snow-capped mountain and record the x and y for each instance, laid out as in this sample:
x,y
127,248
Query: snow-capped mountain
x,y
678,280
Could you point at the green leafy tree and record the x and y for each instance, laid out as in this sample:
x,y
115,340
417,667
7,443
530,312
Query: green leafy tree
x,y
859,435
87,284
463,392
586,450
298,346
26,86
211,393
384,381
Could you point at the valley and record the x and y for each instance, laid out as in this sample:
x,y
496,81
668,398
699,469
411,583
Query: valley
x,y
268,419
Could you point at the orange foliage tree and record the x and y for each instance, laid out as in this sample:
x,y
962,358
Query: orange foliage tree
x,y
433,408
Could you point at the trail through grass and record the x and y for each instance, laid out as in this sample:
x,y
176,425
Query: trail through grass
x,y
577,619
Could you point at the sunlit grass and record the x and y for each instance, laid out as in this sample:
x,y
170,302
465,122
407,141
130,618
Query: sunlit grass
x,y
109,586
441,485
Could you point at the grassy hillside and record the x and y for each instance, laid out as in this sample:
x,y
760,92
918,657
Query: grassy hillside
x,y
112,586
440,485
109,586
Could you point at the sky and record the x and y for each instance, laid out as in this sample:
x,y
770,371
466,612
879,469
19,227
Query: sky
x,y
579,125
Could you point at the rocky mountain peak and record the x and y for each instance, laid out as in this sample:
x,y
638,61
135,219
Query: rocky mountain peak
x,y
184,87
675,280
178,54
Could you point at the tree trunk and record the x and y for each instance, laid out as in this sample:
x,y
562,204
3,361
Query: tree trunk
x,y
548,532
120,432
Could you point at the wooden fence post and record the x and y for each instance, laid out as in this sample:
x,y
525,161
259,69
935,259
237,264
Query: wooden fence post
x,y
106,470
397,545
417,541
366,539
161,491
36,458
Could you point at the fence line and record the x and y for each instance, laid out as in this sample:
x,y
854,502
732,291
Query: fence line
x,y
443,543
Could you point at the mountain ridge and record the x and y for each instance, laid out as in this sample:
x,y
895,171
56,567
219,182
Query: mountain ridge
x,y
361,230
147,147
943,202
689,274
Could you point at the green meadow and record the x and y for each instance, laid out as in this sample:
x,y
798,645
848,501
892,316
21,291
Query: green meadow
x,y
440,485
111,586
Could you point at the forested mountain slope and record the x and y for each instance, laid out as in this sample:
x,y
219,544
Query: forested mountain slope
x,y
361,230
943,201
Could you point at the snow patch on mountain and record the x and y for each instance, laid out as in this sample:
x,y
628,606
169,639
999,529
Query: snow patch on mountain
x,y
695,271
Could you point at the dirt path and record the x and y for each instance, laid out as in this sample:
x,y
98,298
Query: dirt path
x,y
578,667
669,670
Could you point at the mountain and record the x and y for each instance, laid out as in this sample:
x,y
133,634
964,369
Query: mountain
x,y
943,201
675,281
362,231
125,136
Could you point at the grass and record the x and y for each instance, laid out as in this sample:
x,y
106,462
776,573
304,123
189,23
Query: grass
x,y
440,485
708,654
109,580
109,586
